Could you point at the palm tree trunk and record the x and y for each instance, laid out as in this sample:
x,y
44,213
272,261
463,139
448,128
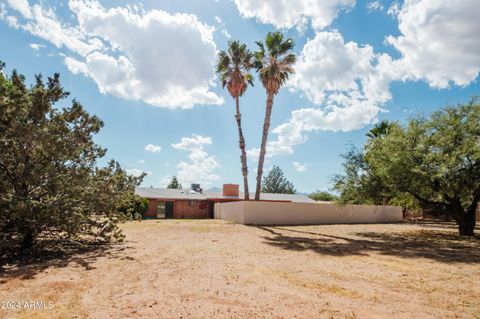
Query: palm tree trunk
x,y
263,150
243,157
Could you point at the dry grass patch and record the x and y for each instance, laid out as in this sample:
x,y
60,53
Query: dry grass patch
x,y
211,268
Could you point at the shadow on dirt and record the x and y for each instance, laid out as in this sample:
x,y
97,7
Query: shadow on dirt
x,y
28,263
438,245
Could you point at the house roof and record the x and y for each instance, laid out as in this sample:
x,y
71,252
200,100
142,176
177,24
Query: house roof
x,y
188,194
150,192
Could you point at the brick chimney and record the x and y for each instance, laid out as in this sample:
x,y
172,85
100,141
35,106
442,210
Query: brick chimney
x,y
230,190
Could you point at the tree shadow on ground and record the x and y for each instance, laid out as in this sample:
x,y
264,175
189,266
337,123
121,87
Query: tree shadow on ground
x,y
27,264
436,224
442,246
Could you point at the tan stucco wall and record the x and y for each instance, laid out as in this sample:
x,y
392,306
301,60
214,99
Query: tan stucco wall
x,y
277,213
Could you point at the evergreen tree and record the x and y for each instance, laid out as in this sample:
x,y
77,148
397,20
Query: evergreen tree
x,y
50,184
276,183
174,183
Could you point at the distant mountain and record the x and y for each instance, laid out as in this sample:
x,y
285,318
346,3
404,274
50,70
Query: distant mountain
x,y
215,189
303,194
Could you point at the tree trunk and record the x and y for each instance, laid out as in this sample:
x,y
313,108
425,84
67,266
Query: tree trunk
x,y
466,224
29,238
243,156
261,159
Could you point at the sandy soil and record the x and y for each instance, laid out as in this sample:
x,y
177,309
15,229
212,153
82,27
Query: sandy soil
x,y
214,269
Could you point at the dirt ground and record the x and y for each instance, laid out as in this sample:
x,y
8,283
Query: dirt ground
x,y
215,269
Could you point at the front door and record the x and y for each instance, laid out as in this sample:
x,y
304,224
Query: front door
x,y
169,209
160,210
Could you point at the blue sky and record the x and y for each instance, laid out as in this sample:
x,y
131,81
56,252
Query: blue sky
x,y
147,70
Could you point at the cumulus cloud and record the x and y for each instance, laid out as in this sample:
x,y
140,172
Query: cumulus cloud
x,y
162,59
153,148
301,168
21,6
349,82
45,24
439,41
75,66
200,167
329,70
374,6
285,14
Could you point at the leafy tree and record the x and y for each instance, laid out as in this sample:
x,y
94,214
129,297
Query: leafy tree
x,y
233,67
434,161
276,183
132,206
274,63
174,183
359,183
322,196
50,185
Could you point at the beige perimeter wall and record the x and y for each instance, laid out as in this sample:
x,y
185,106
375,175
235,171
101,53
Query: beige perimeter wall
x,y
278,213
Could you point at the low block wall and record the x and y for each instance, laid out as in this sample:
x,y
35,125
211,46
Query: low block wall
x,y
277,213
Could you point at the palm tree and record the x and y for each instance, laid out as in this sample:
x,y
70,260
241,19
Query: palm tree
x,y
273,61
379,130
233,67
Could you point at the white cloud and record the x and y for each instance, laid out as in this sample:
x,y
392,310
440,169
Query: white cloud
x,y
21,6
374,6
200,168
195,142
36,46
137,172
349,81
141,162
394,9
439,41
162,59
301,168
12,22
75,66
285,14
328,70
223,27
45,24
153,148
165,181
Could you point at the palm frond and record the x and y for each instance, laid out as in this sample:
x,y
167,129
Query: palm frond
x,y
274,61
233,68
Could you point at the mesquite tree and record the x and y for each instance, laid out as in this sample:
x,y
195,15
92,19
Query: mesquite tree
x,y
434,161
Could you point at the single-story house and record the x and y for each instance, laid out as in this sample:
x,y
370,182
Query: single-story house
x,y
197,203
